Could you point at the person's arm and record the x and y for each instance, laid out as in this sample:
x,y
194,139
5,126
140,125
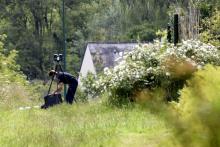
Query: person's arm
x,y
59,88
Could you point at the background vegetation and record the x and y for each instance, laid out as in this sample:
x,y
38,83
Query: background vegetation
x,y
33,34
34,27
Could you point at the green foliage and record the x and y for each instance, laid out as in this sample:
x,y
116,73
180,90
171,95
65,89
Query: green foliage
x,y
81,96
128,20
196,116
211,33
14,89
9,68
89,87
143,32
208,7
30,27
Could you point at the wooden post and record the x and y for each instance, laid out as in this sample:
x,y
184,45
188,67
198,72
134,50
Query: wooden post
x,y
169,33
176,29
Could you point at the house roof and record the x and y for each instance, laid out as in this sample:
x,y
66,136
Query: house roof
x,y
108,54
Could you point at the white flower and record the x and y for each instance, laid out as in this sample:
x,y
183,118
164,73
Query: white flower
x,y
199,66
133,57
167,74
193,64
149,69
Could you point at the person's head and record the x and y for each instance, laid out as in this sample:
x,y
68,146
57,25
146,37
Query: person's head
x,y
52,73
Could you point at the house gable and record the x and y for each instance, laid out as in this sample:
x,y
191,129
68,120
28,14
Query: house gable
x,y
101,55
87,65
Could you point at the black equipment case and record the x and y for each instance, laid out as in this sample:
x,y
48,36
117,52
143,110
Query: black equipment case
x,y
51,100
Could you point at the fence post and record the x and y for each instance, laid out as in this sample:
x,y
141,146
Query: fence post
x,y
176,29
169,37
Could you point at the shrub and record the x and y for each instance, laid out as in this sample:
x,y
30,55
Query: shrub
x,y
89,86
196,117
14,88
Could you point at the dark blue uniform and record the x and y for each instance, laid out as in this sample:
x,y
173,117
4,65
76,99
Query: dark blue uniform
x,y
69,79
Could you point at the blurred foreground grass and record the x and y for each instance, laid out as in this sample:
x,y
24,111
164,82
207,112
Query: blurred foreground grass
x,y
92,124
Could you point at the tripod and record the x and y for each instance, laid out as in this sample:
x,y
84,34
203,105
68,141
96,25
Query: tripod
x,y
57,66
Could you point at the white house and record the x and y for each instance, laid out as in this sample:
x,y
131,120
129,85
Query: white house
x,y
100,55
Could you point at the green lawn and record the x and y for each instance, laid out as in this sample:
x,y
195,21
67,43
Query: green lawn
x,y
90,124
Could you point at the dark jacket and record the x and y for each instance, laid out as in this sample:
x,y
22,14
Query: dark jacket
x,y
66,78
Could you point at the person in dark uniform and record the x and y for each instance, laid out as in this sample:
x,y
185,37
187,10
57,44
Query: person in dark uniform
x,y
65,78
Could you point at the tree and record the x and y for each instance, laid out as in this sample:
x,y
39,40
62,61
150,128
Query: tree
x,y
30,25
210,32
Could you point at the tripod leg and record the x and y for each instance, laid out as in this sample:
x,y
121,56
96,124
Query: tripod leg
x,y
60,67
52,80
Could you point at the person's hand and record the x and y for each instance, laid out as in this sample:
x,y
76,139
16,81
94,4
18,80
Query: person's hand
x,y
55,93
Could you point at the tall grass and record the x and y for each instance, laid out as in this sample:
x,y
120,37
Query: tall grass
x,y
91,124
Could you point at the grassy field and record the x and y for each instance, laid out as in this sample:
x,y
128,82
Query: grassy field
x,y
92,124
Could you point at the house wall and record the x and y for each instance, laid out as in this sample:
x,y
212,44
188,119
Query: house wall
x,y
87,65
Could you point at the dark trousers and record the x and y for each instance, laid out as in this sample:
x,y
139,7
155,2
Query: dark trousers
x,y
71,92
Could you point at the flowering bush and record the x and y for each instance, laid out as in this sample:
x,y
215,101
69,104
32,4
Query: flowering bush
x,y
156,65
